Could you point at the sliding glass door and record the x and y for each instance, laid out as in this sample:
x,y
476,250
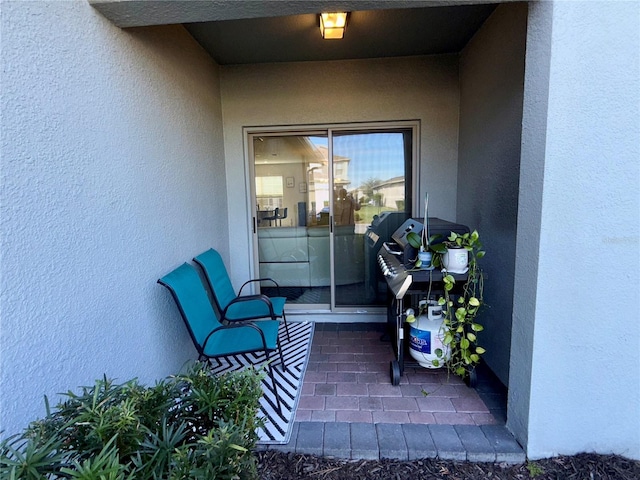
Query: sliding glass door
x,y
371,178
319,198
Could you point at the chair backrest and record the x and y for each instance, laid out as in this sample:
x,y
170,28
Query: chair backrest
x,y
193,302
217,276
284,215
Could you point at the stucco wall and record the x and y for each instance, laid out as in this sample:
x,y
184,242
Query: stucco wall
x,y
491,91
582,350
111,175
424,88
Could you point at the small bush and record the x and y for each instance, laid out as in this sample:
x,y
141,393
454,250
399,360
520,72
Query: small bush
x,y
191,426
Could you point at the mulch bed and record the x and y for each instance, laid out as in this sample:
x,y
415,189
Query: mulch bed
x,y
273,465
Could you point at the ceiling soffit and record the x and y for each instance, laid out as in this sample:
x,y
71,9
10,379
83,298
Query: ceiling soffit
x,y
370,34
248,32
139,13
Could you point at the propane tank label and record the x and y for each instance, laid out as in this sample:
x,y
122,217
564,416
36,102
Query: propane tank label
x,y
420,340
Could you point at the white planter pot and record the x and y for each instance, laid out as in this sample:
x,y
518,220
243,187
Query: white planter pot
x,y
456,260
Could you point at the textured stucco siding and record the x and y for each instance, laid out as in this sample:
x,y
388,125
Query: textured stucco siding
x,y
491,93
112,174
307,93
576,332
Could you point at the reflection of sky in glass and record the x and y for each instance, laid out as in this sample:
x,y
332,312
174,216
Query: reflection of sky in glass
x,y
373,155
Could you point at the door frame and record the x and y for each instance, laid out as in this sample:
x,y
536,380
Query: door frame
x,y
324,129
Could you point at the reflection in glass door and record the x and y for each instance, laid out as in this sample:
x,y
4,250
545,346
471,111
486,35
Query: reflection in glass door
x,y
317,199
371,181
292,215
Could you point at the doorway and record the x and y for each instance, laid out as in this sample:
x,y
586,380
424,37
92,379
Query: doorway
x,y
318,195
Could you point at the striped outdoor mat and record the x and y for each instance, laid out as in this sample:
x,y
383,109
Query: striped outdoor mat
x,y
277,429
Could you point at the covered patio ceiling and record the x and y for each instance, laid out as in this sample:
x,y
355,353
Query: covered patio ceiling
x,y
244,32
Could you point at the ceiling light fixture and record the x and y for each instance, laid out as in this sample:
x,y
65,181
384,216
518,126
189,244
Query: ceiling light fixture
x,y
333,25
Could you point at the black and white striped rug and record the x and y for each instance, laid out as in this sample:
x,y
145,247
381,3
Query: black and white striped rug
x,y
277,429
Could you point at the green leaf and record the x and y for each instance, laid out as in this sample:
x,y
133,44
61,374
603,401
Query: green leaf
x,y
475,358
439,248
435,363
464,343
480,350
471,337
476,327
473,301
414,239
438,352
435,237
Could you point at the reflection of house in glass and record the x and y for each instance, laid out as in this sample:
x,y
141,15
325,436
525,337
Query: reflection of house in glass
x,y
292,172
340,175
390,193
340,167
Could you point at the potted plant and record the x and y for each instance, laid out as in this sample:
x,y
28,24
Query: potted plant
x,y
423,242
424,247
456,257
461,308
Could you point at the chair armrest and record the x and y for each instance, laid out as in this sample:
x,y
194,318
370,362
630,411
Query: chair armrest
x,y
259,280
250,298
235,325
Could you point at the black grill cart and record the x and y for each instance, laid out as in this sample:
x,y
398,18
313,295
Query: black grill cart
x,y
395,261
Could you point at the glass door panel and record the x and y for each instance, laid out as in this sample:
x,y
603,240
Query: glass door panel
x,y
371,175
291,178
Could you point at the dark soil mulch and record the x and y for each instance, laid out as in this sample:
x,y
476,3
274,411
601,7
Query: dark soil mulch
x,y
274,465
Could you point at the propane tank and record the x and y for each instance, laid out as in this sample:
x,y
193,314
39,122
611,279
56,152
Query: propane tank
x,y
426,335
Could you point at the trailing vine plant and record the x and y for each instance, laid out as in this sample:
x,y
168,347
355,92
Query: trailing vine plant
x,y
461,309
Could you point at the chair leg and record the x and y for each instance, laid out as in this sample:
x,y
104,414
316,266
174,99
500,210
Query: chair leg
x,y
273,380
284,366
286,326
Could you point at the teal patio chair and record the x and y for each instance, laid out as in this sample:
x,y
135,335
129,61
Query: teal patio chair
x,y
211,338
238,307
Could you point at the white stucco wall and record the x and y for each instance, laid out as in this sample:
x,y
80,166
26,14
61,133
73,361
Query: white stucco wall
x,y
491,92
111,175
424,88
582,351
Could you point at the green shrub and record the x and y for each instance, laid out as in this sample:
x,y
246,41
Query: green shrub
x,y
191,426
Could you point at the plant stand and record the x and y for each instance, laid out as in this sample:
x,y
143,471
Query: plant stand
x,y
396,313
471,380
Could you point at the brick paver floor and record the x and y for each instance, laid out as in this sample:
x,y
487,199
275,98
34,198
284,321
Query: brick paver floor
x,y
348,380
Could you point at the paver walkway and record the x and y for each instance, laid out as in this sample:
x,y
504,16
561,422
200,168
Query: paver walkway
x,y
349,409
348,380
